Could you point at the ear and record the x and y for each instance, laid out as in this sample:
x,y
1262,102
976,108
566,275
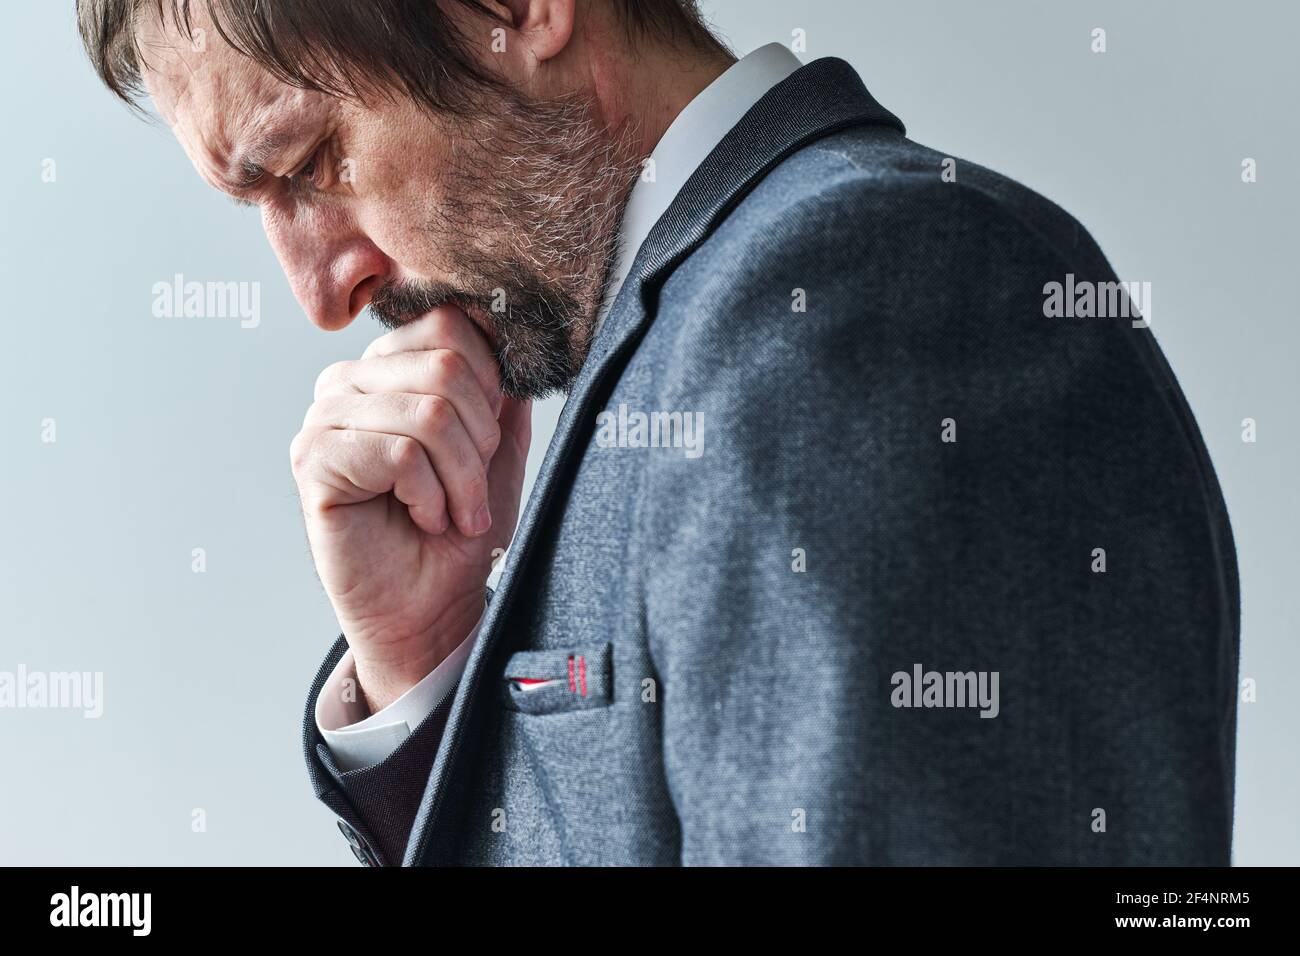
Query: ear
x,y
545,27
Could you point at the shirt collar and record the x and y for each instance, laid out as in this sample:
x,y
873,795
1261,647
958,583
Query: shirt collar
x,y
688,141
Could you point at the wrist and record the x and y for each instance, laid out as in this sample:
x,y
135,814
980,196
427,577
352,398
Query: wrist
x,y
387,670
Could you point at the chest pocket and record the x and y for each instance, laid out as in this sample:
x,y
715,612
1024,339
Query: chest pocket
x,y
559,680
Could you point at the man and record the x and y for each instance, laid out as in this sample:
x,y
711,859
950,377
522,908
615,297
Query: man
x,y
851,546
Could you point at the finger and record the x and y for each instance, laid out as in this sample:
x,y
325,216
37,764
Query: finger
x,y
516,424
340,467
432,421
506,472
446,327
440,372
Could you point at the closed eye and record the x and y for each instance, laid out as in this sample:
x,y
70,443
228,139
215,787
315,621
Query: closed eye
x,y
307,169
307,174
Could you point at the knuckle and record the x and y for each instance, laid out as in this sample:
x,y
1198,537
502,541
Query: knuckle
x,y
444,365
406,452
332,377
300,451
433,413
323,412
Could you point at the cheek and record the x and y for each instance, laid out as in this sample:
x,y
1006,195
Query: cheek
x,y
402,194
295,229
414,227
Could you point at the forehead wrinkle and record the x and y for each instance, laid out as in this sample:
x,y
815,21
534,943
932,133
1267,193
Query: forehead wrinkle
x,y
210,96
230,116
242,138
167,53
178,80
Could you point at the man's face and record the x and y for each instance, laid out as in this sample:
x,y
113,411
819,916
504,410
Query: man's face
x,y
511,212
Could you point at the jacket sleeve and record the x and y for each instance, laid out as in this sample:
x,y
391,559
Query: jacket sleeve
x,y
376,805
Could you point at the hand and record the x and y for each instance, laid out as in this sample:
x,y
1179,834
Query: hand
x,y
409,465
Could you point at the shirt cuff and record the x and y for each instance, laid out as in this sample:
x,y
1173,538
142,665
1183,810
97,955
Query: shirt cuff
x,y
358,740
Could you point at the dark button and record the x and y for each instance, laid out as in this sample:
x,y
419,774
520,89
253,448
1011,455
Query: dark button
x,y
365,856
349,834
359,848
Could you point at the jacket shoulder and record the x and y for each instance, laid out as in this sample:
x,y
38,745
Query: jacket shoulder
x,y
871,191
862,235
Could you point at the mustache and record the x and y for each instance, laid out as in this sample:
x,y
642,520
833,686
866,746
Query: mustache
x,y
519,302
394,305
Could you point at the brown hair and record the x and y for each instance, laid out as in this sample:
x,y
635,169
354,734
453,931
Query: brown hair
x,y
348,47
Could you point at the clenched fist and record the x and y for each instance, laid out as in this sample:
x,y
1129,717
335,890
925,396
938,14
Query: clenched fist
x,y
409,465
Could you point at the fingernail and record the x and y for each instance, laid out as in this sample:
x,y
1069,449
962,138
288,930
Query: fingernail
x,y
482,520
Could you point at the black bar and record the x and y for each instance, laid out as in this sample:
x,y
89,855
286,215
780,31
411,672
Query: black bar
x,y
333,906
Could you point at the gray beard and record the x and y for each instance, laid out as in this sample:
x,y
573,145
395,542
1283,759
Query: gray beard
x,y
533,243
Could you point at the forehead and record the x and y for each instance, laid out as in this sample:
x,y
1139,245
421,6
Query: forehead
x,y
211,96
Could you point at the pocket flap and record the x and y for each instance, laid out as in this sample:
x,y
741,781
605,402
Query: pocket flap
x,y
546,682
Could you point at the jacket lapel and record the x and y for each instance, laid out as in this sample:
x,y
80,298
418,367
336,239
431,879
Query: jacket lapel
x,y
815,101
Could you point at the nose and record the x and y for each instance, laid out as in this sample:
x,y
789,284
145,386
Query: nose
x,y
333,275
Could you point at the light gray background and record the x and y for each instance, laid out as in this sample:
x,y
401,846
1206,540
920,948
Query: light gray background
x,y
173,434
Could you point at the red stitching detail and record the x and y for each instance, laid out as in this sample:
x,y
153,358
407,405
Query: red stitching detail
x,y
582,672
572,687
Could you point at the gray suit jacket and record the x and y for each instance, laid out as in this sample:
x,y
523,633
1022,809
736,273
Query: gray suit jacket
x,y
724,632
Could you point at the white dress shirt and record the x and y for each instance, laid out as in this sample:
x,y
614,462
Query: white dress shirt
x,y
358,739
